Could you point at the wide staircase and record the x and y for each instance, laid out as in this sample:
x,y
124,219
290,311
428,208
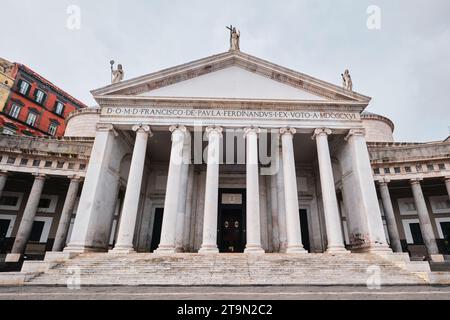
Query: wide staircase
x,y
226,269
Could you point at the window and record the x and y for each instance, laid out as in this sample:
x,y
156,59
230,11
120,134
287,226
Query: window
x,y
48,164
10,200
408,169
53,127
8,130
82,166
60,164
416,233
36,231
441,166
23,162
419,168
59,108
36,163
387,170
11,160
376,171
45,203
24,87
14,111
31,119
430,167
39,96
71,166
397,170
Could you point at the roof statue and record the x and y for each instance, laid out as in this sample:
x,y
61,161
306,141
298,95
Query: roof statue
x,y
235,36
116,75
347,80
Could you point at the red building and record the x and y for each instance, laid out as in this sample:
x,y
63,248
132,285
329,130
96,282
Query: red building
x,y
36,106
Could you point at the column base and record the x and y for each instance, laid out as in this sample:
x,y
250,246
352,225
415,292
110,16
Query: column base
x,y
208,249
52,256
254,249
165,250
76,248
337,250
437,257
122,250
13,257
296,249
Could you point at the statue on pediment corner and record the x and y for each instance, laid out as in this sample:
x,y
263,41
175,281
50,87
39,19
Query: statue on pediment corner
x,y
117,74
347,81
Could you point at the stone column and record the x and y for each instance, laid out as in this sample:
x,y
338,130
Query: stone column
x,y
168,230
127,225
366,229
394,236
182,202
209,244
333,221
274,213
253,209
447,185
26,224
95,214
3,178
294,237
424,218
66,214
281,204
189,210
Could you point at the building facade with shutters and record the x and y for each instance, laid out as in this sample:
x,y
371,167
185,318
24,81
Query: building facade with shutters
x,y
34,106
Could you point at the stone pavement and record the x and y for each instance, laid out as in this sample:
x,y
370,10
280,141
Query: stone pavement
x,y
226,293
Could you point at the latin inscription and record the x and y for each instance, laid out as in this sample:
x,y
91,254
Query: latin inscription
x,y
231,114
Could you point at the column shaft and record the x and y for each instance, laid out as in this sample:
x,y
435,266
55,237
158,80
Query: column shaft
x,y
26,224
168,230
331,210
182,202
294,237
281,204
394,236
253,208
209,244
447,185
129,214
66,214
3,178
424,218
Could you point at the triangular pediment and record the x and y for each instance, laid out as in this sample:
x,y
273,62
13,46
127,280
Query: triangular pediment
x,y
234,83
231,75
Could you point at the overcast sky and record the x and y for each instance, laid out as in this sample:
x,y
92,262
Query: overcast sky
x,y
404,66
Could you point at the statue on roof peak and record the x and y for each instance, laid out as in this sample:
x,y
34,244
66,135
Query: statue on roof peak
x,y
235,36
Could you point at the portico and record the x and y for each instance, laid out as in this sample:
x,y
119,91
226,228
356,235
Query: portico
x,y
177,145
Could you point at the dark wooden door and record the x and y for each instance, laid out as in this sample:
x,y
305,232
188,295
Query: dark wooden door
x,y
305,229
231,229
157,225
231,224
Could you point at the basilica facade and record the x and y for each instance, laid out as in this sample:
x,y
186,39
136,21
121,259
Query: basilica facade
x,y
226,154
